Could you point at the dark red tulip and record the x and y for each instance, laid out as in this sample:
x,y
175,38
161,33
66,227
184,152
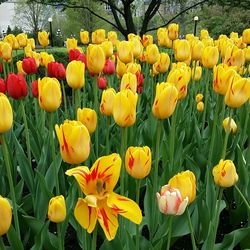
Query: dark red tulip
x,y
2,86
102,83
1,68
56,70
29,65
16,86
109,67
34,88
140,81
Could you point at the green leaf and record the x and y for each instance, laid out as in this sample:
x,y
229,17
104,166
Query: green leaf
x,y
14,240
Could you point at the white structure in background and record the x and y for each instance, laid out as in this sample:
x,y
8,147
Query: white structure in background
x,y
6,14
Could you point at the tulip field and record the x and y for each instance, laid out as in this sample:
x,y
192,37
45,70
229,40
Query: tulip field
x,y
141,143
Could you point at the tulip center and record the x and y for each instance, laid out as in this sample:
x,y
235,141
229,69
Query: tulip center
x,y
100,187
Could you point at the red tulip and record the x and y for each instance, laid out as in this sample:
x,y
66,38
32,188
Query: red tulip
x,y
34,87
109,67
140,81
2,86
16,86
102,83
75,54
29,65
56,70
1,68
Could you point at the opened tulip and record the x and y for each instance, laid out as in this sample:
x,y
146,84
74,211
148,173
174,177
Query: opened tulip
x,y
57,209
196,73
16,86
29,65
124,108
56,70
133,68
173,31
88,118
5,215
162,63
152,53
75,74
6,51
246,36
3,88
210,57
147,40
185,182
125,51
84,36
106,106
43,38
199,97
238,92
138,161
107,47
50,95
165,100
121,68
71,43
6,115
100,202
234,57
232,127
95,59
109,67
129,81
225,174
200,106
22,39
182,50
170,201
98,36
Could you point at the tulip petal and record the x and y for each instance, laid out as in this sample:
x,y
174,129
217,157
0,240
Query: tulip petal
x,y
85,215
125,207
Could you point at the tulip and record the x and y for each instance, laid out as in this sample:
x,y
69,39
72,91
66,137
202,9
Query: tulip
x,y
246,36
165,100
5,215
22,39
204,34
29,65
77,55
50,95
190,37
31,42
121,68
125,51
56,70
75,74
147,40
234,57
95,59
200,106
196,73
225,174
37,58
210,56
107,47
185,182
15,44
43,38
197,48
162,37
34,88
6,115
109,67
16,86
9,39
19,65
138,161
137,47
129,81
57,209
238,92
199,97
88,118
74,141
1,68
102,82
124,108
133,68
28,50
229,128
98,36
182,50
46,58
173,31
162,63
152,53
6,51
112,37
71,43
84,36
106,106
3,88
247,54
170,201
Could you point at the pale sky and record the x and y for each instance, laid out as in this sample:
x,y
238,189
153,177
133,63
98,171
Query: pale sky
x,y
6,13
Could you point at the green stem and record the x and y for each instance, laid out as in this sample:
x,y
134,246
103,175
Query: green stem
x,y
97,112
60,238
77,99
4,71
123,143
242,197
93,247
138,182
107,134
2,246
152,90
191,229
26,131
11,185
217,214
245,126
52,143
170,223
64,98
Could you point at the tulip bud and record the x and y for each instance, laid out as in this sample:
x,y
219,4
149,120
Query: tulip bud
x,y
197,50
46,58
181,50
6,114
121,68
109,67
88,118
84,36
129,81
56,70
137,47
95,59
6,51
138,161
225,174
28,50
50,95
57,209
22,39
210,57
74,141
147,40
152,53
43,38
2,86
125,51
170,201
17,86
196,73
29,65
101,82
98,36
204,34
112,37
246,36
185,182
200,106
107,47
232,127
5,215
75,74
106,106
34,88
133,68
162,37
162,63
173,31
71,43
19,65
199,97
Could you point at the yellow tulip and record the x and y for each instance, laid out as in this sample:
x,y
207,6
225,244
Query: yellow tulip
x,y
98,36
125,51
200,106
112,37
204,34
190,37
43,38
131,36
234,57
247,54
57,209
137,47
138,161
95,59
74,140
6,114
197,50
15,44
6,51
181,50
20,67
107,47
9,39
84,36
238,92
28,50
46,58
165,100
133,68
225,174
124,108
152,53
5,214
22,39
121,68
147,40
71,43
208,42
106,106
37,57
88,118
199,97
129,81
232,127
162,37
186,183
75,74
162,63
210,57
31,42
173,31
50,95
196,73
246,36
